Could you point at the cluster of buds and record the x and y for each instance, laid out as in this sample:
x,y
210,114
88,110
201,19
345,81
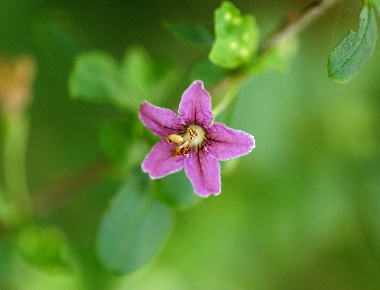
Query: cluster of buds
x,y
16,79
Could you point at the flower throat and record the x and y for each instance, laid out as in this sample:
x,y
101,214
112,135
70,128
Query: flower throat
x,y
193,137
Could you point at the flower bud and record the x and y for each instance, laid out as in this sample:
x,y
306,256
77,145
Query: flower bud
x,y
16,79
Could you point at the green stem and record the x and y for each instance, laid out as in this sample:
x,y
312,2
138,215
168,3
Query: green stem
x,y
5,210
15,141
229,96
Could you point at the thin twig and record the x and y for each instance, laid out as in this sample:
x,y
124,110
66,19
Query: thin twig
x,y
55,194
295,24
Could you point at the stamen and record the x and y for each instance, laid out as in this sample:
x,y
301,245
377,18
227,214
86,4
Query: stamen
x,y
180,151
174,138
186,140
192,132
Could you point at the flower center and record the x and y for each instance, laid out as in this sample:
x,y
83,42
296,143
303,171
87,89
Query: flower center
x,y
193,137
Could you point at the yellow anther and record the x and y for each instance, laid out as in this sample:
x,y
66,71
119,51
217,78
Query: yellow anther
x,y
185,141
192,133
174,138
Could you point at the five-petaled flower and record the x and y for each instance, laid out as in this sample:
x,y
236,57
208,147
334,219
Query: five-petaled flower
x,y
192,141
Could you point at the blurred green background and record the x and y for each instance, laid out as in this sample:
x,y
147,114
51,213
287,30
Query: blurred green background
x,y
302,211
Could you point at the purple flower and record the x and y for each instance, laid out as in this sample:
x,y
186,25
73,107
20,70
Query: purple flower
x,y
192,141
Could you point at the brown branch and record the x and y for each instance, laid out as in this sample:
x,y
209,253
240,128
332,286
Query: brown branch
x,y
295,24
53,195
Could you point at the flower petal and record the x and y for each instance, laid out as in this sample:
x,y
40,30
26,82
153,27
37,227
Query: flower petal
x,y
161,121
195,106
159,162
203,172
224,143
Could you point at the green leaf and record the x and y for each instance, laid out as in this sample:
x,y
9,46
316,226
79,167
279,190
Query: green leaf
x,y
134,227
194,33
95,77
355,49
113,140
136,72
58,35
237,37
376,5
45,247
98,77
177,191
6,253
144,77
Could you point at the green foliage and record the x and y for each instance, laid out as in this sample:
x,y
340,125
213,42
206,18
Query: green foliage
x,y
193,33
44,247
376,5
208,72
6,253
176,190
58,35
237,37
146,78
97,76
113,140
6,211
134,227
122,145
355,49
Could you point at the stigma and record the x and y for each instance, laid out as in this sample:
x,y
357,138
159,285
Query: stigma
x,y
192,138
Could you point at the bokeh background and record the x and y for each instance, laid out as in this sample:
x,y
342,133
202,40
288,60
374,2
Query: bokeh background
x,y
302,211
